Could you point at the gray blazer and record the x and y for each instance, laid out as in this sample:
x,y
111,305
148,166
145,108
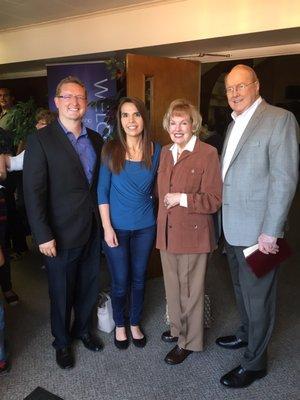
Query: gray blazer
x,y
262,177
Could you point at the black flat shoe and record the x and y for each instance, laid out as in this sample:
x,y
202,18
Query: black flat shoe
x,y
139,342
168,338
231,342
90,342
240,377
64,358
120,344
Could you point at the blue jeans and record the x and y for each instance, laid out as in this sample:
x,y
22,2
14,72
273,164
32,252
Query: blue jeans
x,y
2,326
128,264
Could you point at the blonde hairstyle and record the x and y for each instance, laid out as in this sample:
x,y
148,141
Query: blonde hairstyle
x,y
70,79
179,107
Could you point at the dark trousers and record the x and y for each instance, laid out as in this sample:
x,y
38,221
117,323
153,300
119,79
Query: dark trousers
x,y
16,233
2,332
73,278
128,266
5,278
256,302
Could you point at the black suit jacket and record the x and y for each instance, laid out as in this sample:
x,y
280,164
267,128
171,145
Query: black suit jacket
x,y
60,202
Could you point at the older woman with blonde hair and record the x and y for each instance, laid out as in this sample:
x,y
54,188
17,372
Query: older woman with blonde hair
x,y
189,189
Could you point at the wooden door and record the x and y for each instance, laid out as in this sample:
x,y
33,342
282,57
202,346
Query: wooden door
x,y
158,81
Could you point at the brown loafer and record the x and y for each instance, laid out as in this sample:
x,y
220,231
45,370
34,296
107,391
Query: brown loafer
x,y
177,355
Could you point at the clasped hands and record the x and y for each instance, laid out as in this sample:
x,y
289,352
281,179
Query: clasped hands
x,y
267,244
172,200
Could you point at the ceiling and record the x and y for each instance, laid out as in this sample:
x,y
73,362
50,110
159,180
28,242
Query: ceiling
x,y
17,13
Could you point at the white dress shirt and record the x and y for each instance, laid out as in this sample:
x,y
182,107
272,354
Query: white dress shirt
x,y
174,149
240,123
16,163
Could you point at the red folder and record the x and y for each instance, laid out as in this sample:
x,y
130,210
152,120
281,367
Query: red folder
x,y
261,263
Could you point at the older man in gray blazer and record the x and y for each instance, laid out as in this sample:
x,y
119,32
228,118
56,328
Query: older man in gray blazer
x,y
260,174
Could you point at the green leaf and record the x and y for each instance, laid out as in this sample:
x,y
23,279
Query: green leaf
x,y
21,119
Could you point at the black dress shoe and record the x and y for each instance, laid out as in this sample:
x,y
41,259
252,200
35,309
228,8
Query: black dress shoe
x,y
11,298
120,344
64,358
168,338
231,342
91,342
177,355
240,377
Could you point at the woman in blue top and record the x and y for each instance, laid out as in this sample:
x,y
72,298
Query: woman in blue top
x,y
126,204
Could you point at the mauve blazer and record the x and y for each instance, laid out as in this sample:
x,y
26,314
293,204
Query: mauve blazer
x,y
187,230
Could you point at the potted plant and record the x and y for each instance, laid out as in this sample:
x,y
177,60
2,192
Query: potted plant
x,y
21,120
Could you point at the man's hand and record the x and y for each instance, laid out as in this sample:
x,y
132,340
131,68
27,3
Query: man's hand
x,y
172,200
48,248
267,244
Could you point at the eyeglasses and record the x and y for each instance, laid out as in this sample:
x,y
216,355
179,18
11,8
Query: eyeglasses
x,y
71,96
238,88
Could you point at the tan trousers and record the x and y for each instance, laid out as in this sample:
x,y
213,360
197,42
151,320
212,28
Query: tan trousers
x,y
184,276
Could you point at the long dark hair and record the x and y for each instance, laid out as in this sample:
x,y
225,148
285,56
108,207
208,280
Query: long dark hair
x,y
114,151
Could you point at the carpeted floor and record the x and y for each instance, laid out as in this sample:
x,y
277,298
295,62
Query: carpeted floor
x,y
138,374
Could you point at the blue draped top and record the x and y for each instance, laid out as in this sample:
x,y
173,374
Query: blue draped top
x,y
130,193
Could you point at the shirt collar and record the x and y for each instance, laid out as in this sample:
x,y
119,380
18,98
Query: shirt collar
x,y
83,129
189,146
249,110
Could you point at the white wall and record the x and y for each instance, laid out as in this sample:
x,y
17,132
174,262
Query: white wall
x,y
164,23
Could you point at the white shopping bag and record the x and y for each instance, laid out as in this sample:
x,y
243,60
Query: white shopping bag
x,y
105,314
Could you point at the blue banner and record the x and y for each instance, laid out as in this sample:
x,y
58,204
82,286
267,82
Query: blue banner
x,y
99,85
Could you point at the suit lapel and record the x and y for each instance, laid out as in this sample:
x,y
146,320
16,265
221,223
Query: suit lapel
x,y
98,156
226,140
254,120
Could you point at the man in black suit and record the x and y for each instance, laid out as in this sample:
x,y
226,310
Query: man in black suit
x,y
61,167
